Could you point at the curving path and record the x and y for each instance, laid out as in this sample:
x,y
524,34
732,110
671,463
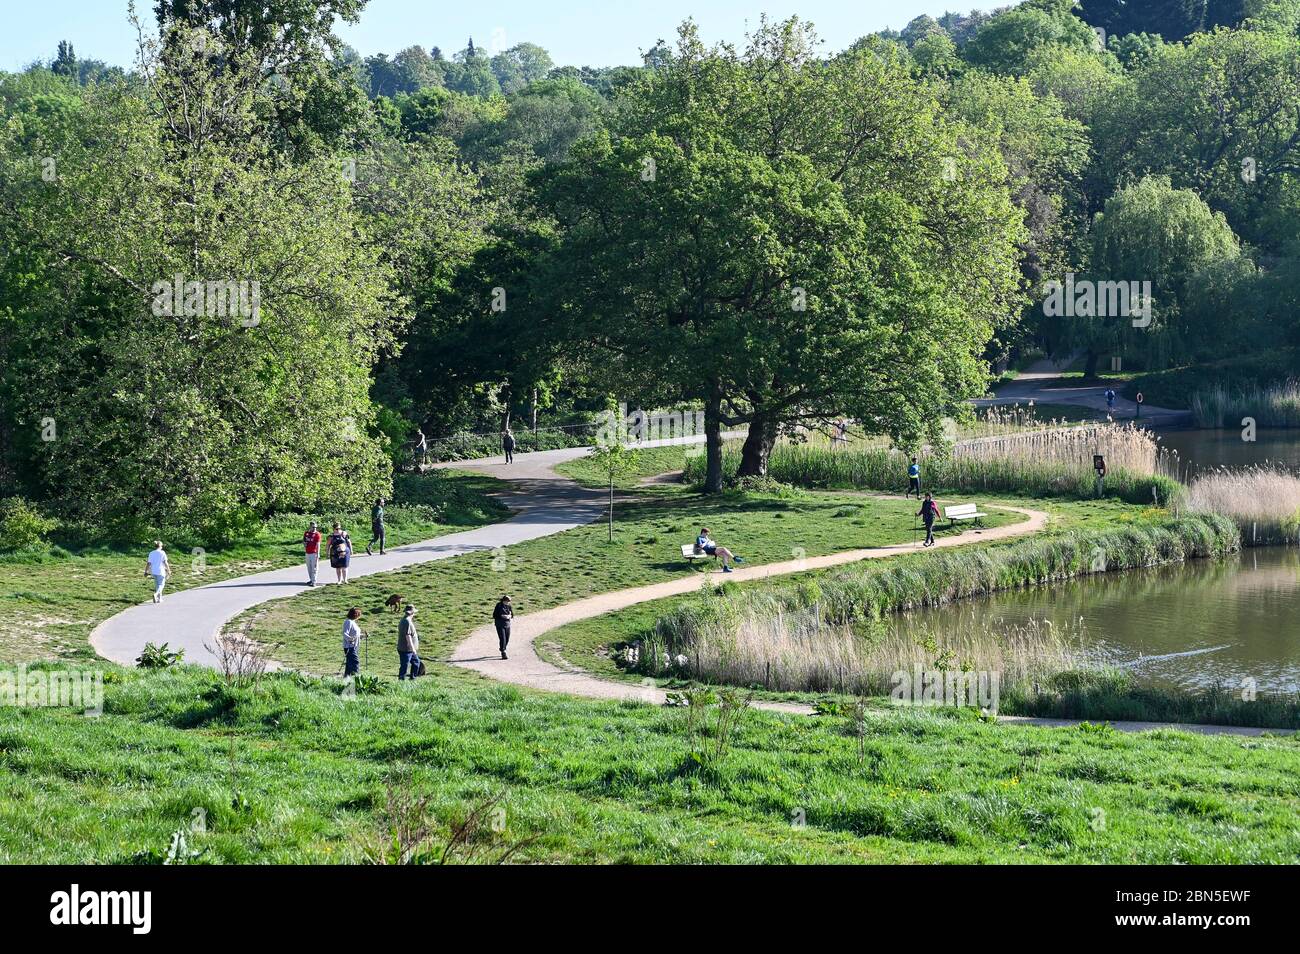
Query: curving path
x,y
526,668
1042,383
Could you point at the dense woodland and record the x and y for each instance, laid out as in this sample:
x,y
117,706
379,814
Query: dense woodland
x,y
779,233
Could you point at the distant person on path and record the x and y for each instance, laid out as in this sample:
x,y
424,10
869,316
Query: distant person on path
x,y
340,545
704,544
311,548
914,479
351,641
159,567
928,513
508,445
1110,399
841,437
408,646
502,614
376,526
421,449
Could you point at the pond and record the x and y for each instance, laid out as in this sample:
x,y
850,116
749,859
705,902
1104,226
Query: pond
x,y
1195,625
1201,449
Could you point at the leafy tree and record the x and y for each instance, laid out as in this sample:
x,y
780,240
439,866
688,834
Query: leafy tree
x,y
65,64
520,65
780,242
1006,43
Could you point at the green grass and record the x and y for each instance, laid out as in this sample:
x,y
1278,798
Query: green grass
x,y
605,782
454,596
650,462
49,602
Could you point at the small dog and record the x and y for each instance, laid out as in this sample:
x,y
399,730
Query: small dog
x,y
394,603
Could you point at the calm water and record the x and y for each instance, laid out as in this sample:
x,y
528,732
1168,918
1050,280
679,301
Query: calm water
x,y
1206,449
1194,625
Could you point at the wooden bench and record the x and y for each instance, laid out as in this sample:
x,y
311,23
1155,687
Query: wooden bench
x,y
690,556
960,512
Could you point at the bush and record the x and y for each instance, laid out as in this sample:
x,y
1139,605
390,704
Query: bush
x,y
22,526
154,656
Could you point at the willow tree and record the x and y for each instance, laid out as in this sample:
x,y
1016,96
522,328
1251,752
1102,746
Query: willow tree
x,y
784,239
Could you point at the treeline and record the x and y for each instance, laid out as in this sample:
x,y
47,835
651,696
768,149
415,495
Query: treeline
x,y
236,278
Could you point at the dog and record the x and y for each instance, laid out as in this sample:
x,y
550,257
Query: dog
x,y
394,603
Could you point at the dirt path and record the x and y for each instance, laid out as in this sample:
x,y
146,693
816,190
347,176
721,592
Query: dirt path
x,y
1042,383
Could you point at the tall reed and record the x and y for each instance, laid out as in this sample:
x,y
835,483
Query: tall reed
x,y
1276,405
1263,501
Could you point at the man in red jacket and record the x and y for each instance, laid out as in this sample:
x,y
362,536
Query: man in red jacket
x,y
311,546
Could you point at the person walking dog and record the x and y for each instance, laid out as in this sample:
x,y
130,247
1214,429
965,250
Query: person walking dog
x,y
351,641
311,550
408,646
502,614
159,567
928,513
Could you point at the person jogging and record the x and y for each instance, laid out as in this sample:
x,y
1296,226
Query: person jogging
x,y
914,479
340,544
502,614
508,445
928,513
311,550
408,646
376,527
159,567
351,640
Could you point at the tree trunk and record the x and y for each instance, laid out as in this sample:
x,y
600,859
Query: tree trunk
x,y
758,447
1090,367
534,410
713,441
611,510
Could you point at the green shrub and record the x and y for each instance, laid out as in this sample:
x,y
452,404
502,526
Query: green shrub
x,y
22,526
154,656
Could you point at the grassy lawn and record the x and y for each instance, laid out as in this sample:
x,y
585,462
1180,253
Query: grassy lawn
x,y
454,596
604,782
50,602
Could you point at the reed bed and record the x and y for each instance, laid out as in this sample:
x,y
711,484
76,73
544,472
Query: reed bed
x,y
1049,462
809,634
1263,501
1275,405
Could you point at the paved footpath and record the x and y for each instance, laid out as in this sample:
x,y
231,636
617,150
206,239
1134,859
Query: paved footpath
x,y
544,503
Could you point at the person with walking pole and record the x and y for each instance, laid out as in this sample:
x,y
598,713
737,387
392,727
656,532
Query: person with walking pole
x,y
502,615
928,513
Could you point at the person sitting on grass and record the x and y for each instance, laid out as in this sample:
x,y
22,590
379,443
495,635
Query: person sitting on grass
x,y
704,544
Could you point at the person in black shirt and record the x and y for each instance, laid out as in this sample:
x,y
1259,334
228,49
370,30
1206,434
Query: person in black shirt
x,y
928,513
502,615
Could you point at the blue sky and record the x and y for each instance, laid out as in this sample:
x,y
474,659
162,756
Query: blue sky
x,y
575,32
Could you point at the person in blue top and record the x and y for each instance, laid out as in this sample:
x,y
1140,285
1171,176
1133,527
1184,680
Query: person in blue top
x,y
914,479
1110,399
704,544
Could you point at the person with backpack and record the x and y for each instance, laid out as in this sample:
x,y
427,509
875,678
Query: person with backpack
x,y
340,549
159,567
376,527
914,479
508,445
1110,399
408,646
311,549
928,513
351,640
502,614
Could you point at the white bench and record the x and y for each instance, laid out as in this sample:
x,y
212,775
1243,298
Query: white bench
x,y
960,512
690,556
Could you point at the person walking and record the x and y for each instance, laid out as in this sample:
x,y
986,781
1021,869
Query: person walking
x,y
376,526
1110,400
351,642
508,445
421,449
502,614
159,567
311,549
340,544
928,513
408,646
914,479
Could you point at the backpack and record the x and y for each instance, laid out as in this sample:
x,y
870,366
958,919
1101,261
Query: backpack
x,y
418,668
338,546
